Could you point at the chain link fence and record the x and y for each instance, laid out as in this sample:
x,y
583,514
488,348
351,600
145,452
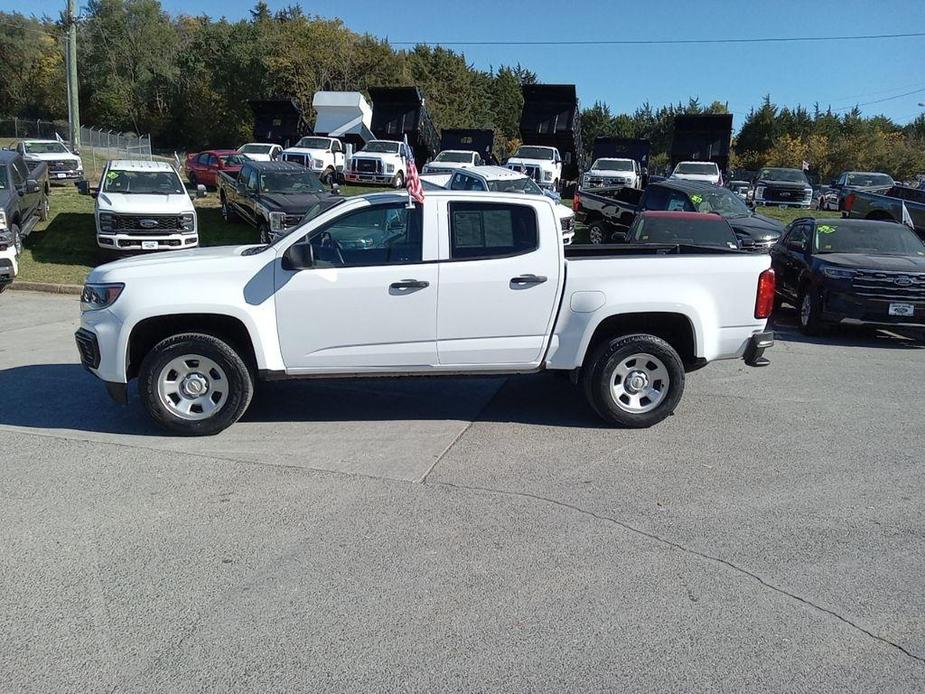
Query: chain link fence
x,y
96,146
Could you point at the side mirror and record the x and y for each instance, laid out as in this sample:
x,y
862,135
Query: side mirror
x,y
83,187
200,191
299,256
797,246
32,186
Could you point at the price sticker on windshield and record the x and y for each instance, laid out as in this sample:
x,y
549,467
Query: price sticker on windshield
x,y
696,199
825,229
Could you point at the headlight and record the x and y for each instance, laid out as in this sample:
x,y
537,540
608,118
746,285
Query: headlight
x,y
807,192
105,222
98,296
277,221
547,175
390,168
836,273
188,222
759,192
2,218
317,164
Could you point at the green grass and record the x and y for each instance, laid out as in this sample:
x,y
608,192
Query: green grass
x,y
63,249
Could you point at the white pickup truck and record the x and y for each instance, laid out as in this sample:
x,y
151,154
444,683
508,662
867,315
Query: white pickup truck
x,y
323,155
467,283
542,164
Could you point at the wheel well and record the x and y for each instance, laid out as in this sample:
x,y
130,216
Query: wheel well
x,y
673,328
150,331
880,214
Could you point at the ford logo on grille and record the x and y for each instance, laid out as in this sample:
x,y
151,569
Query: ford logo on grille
x,y
785,194
147,223
903,281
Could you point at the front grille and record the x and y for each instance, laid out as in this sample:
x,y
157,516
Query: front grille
x,y
367,165
88,348
783,195
154,223
890,286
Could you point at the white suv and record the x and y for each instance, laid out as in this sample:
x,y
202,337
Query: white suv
x,y
144,206
498,179
322,155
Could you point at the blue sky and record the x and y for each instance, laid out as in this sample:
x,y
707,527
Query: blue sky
x,y
838,73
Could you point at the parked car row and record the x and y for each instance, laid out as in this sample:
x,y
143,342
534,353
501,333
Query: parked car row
x,y
23,203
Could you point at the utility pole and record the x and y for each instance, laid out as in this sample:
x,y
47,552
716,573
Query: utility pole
x,y
73,108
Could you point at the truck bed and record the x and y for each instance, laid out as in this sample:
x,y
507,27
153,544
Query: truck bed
x,y
621,250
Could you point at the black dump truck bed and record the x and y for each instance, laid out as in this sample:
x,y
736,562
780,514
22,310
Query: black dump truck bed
x,y
622,148
551,118
702,137
400,111
280,121
481,141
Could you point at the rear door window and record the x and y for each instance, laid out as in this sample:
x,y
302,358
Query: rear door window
x,y
491,230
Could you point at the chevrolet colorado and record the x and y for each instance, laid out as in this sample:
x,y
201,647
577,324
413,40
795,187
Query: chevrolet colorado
x,y
467,283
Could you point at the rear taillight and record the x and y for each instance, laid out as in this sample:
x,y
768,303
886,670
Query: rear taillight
x,y
849,202
576,202
764,301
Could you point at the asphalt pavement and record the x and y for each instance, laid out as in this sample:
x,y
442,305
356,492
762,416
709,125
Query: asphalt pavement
x,y
429,535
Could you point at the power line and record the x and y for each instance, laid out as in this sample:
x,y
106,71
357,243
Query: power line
x,y
664,42
878,101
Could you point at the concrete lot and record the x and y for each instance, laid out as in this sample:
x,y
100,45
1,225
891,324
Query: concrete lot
x,y
478,535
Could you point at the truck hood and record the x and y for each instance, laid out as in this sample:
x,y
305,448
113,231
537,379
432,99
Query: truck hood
x,y
447,165
292,203
50,156
862,261
783,185
757,227
383,156
166,263
304,150
144,204
520,161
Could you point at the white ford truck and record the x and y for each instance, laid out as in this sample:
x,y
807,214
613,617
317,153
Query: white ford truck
x,y
380,161
143,206
542,164
323,155
606,172
467,283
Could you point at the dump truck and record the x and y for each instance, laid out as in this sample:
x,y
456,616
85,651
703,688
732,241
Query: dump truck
x,y
702,137
550,120
278,121
399,112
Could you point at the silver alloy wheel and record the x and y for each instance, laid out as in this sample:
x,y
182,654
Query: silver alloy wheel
x,y
805,309
192,387
640,383
595,235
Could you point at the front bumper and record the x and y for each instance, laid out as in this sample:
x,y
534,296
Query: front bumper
x,y
850,309
802,203
147,242
357,177
65,175
100,346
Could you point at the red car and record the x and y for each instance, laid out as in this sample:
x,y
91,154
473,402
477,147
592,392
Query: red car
x,y
203,167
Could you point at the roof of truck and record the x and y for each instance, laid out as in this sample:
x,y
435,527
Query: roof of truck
x,y
276,166
140,165
7,155
495,173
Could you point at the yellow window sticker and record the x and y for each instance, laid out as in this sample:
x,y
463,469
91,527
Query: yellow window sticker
x,y
825,229
696,199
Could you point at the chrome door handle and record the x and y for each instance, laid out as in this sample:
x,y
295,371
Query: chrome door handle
x,y
522,280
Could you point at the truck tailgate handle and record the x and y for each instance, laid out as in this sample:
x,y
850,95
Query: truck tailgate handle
x,y
409,284
523,280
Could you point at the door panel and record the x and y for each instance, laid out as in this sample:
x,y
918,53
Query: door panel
x,y
495,310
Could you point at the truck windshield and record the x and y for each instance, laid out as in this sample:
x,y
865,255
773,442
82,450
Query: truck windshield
x,y
786,175
45,148
290,182
709,231
314,143
456,157
376,147
515,185
708,169
613,165
871,239
869,179
720,200
534,153
142,182
254,149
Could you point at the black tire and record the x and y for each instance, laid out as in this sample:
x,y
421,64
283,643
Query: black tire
x,y
193,181
237,378
264,237
597,232
228,213
810,312
399,181
600,371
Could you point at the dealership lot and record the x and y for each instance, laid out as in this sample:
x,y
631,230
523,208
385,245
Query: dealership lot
x,y
474,534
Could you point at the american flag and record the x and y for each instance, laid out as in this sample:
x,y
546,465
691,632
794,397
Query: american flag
x,y
412,180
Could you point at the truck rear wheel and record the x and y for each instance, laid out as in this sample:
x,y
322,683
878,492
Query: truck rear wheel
x,y
633,381
596,232
194,384
228,214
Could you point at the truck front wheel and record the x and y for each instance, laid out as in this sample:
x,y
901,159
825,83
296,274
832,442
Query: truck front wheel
x,y
194,384
633,381
399,180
